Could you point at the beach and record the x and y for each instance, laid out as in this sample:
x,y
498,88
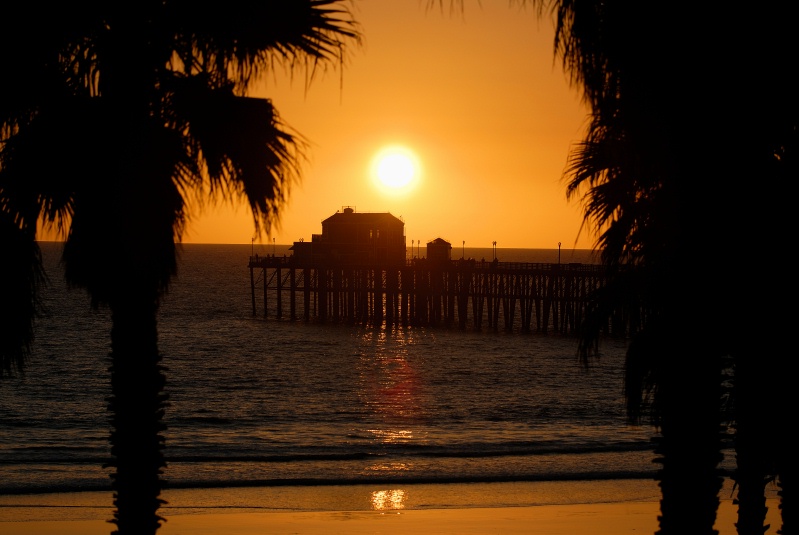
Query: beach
x,y
598,519
84,513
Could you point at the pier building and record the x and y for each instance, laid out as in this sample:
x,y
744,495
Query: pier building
x,y
350,237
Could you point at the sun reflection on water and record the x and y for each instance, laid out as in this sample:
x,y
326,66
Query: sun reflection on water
x,y
392,390
389,467
383,500
393,436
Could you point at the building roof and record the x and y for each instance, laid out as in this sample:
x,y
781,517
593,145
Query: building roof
x,y
348,214
440,242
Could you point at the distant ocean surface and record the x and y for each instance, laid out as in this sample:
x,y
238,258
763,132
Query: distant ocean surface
x,y
259,401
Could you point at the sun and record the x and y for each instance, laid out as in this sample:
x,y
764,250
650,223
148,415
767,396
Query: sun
x,y
395,170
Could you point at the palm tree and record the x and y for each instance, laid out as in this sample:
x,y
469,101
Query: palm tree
x,y
117,115
636,198
628,199
654,172
762,389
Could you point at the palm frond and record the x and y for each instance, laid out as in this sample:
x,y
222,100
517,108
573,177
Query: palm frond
x,y
241,144
245,39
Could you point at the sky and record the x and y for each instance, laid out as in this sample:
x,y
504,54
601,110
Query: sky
x,y
475,93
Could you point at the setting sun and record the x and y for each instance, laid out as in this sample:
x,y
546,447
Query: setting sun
x,y
395,170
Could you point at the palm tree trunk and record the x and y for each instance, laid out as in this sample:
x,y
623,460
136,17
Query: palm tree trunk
x,y
752,442
137,406
783,438
690,442
787,493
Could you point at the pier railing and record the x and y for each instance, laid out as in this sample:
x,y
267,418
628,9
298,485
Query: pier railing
x,y
468,294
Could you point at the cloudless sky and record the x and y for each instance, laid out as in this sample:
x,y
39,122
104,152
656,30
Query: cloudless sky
x,y
475,93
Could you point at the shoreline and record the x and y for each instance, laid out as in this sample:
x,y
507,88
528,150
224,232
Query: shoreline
x,y
547,508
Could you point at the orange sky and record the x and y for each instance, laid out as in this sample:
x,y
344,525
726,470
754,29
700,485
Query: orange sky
x,y
477,95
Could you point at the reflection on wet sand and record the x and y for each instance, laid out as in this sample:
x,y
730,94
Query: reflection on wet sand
x,y
383,500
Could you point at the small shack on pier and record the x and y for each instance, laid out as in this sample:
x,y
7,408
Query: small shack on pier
x,y
350,237
439,251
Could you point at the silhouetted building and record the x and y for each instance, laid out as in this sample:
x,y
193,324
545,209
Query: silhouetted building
x,y
302,251
439,250
350,237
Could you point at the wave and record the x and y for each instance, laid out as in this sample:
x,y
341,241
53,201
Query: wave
x,y
63,454
411,480
173,483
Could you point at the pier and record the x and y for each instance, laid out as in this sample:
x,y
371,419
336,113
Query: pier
x,y
465,293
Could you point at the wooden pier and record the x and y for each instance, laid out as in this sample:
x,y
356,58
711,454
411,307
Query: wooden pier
x,y
467,294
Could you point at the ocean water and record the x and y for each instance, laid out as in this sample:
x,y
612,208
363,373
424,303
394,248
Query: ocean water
x,y
262,402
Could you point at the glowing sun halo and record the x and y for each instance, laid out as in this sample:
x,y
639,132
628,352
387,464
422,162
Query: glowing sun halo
x,y
395,170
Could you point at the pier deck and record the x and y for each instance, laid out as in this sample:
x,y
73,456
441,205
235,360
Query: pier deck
x,y
467,294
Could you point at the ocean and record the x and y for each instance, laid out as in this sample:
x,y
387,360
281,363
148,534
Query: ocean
x,y
262,402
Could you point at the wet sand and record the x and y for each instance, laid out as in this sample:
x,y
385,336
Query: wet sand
x,y
70,515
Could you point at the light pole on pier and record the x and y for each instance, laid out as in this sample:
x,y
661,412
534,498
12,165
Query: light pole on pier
x,y
558,252
463,250
494,243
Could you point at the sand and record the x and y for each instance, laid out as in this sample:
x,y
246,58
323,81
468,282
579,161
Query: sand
x,y
66,516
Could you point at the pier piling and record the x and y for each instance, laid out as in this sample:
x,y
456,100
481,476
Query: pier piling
x,y
514,296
